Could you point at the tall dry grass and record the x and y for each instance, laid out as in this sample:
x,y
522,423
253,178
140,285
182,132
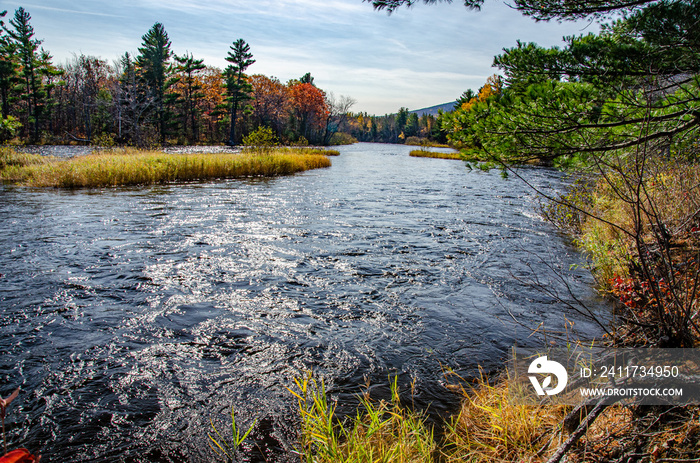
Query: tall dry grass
x,y
133,167
497,424
434,154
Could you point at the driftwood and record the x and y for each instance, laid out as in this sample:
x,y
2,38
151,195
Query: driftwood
x,y
74,138
582,427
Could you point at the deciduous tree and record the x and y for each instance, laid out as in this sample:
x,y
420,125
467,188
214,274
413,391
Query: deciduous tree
x,y
308,108
270,102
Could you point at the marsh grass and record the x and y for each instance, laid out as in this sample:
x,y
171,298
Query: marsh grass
x,y
226,447
418,141
379,432
434,154
10,158
496,424
132,167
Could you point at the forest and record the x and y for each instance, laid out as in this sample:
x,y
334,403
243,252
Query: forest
x,y
154,97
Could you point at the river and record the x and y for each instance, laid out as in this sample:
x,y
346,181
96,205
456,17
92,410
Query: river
x,y
131,316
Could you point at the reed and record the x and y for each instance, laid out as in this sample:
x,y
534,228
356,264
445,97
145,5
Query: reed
x,y
434,154
380,432
131,167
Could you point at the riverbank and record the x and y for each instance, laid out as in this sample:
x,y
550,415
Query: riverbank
x,y
124,167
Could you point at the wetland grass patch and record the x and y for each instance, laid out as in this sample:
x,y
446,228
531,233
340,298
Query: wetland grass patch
x,y
126,167
434,154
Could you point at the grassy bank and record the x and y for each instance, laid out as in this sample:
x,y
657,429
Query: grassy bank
x,y
434,154
642,236
133,167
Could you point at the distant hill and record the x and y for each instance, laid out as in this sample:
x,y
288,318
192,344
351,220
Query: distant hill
x,y
433,110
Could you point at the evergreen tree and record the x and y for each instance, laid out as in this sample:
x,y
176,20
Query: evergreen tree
x,y
401,120
307,79
465,97
154,63
26,46
50,76
538,9
8,68
187,68
412,125
239,90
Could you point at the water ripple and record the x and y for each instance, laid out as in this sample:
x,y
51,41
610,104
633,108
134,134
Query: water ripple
x,y
132,316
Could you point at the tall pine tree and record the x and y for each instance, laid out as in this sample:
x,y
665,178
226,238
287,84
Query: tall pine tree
x,y
187,68
26,47
154,63
8,68
239,90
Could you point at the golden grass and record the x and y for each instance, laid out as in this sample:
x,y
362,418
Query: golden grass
x,y
12,159
380,432
496,424
434,154
132,167
670,190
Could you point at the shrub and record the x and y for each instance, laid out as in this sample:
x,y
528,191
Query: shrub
x,y
262,138
342,138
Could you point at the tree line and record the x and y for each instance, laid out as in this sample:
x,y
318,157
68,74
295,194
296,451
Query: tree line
x,y
396,128
406,126
154,97
633,86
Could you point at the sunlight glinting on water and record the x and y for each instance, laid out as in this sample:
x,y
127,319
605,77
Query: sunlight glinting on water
x,y
133,316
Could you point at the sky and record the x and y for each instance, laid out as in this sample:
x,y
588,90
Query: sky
x,y
416,57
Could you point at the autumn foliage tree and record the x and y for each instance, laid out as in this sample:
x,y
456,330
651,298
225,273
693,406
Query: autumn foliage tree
x,y
308,109
270,102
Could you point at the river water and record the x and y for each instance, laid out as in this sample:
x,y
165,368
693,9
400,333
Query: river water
x,y
130,317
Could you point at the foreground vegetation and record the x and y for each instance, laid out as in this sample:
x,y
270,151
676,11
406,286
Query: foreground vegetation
x,y
132,167
379,432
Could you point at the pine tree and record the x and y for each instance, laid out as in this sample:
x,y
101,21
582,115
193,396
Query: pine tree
x,y
8,69
188,68
27,52
239,90
307,79
154,63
